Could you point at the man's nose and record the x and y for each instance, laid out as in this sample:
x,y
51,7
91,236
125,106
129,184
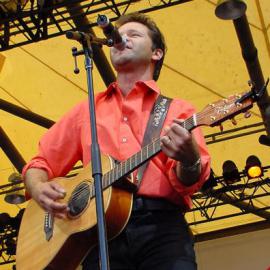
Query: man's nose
x,y
125,37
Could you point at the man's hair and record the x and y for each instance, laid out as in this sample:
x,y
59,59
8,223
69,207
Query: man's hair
x,y
154,33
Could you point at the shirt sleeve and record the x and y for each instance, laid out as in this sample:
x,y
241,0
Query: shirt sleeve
x,y
60,147
170,166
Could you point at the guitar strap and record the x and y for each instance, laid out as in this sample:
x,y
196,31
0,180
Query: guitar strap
x,y
153,129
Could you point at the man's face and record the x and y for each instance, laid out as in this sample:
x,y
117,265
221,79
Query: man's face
x,y
138,49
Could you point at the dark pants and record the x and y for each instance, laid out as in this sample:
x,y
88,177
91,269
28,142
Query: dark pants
x,y
152,239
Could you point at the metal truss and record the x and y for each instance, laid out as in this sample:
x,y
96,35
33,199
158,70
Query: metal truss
x,y
40,20
9,227
248,196
234,133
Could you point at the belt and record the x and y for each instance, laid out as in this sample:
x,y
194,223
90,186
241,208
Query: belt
x,y
142,203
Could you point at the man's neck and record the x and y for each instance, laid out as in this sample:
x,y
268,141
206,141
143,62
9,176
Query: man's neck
x,y
127,80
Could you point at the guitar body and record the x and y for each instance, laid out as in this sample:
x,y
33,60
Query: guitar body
x,y
75,236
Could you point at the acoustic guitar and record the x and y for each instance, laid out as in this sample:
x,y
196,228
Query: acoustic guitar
x,y
45,242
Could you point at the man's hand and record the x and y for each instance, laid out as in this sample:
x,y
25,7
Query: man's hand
x,y
179,144
46,193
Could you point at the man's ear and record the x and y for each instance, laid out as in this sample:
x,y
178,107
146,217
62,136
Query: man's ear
x,y
157,54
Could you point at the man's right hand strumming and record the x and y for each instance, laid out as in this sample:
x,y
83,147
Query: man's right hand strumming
x,y
45,193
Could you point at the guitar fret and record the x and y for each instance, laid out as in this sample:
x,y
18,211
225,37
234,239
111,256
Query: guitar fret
x,y
152,148
110,177
118,167
144,157
121,165
133,162
107,178
128,162
104,180
114,174
125,167
136,159
117,172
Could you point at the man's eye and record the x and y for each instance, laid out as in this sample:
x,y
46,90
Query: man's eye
x,y
135,35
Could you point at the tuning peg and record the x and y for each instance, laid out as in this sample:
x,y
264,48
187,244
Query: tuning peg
x,y
234,122
247,114
221,128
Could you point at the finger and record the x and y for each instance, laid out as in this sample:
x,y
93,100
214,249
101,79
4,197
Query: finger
x,y
166,140
167,145
52,206
60,215
168,151
172,147
58,207
179,130
180,136
166,129
52,194
58,188
52,191
171,140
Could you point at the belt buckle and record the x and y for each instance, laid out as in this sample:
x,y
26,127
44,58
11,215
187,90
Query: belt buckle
x,y
138,203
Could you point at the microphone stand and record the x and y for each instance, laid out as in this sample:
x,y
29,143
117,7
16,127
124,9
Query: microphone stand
x,y
85,40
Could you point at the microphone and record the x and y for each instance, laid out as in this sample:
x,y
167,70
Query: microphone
x,y
111,32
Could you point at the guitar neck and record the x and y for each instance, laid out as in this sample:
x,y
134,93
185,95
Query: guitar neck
x,y
124,168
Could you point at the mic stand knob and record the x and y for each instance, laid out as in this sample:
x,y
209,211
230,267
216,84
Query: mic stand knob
x,y
75,53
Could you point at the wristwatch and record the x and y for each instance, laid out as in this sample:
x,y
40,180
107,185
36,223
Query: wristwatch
x,y
193,167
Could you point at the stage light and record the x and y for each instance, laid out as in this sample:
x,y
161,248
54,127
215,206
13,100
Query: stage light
x,y
16,194
16,221
4,221
230,172
253,167
210,182
10,246
230,9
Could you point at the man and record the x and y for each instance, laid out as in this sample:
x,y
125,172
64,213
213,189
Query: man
x,y
156,235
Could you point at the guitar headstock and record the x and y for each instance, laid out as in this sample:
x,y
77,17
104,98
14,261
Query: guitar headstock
x,y
216,113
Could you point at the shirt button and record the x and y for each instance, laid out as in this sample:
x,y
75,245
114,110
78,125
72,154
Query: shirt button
x,y
125,118
124,140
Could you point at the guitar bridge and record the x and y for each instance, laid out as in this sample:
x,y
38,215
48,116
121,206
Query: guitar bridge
x,y
48,225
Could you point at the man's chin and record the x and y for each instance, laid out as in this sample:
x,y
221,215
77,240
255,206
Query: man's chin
x,y
121,63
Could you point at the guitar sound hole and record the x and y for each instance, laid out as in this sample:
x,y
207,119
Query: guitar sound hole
x,y
79,199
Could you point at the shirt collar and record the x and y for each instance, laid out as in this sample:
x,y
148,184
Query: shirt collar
x,y
151,85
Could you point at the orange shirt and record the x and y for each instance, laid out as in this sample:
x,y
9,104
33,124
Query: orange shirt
x,y
121,122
